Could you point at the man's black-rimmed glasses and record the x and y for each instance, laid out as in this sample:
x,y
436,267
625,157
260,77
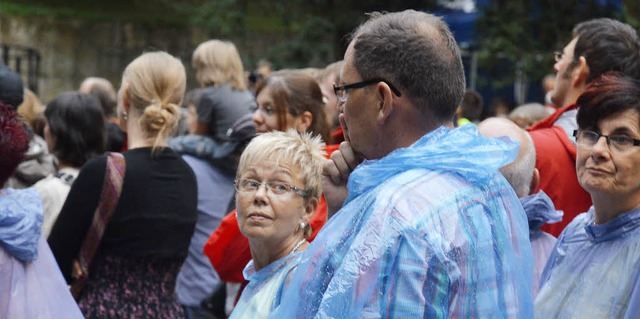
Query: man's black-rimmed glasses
x,y
341,91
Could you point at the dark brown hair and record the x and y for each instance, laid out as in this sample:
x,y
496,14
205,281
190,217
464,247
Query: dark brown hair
x,y
294,92
610,94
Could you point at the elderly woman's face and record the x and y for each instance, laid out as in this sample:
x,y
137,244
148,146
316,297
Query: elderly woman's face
x,y
604,169
268,215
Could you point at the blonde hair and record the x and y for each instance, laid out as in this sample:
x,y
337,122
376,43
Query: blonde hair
x,y
303,151
217,63
156,83
30,107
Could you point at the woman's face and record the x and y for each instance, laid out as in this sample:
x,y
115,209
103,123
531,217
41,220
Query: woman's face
x,y
266,116
603,169
268,217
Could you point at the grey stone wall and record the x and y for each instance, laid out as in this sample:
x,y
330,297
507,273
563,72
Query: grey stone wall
x,y
72,50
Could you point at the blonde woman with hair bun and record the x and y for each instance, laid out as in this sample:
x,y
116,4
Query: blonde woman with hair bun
x,y
146,239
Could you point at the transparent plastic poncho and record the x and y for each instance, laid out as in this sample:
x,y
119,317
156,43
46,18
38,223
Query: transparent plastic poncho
x,y
594,270
31,284
432,230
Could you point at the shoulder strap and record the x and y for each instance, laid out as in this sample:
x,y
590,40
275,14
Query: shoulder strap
x,y
111,189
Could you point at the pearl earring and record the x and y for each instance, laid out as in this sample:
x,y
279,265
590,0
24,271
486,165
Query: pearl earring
x,y
124,115
302,225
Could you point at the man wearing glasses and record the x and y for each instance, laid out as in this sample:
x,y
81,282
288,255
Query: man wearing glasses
x,y
426,226
598,46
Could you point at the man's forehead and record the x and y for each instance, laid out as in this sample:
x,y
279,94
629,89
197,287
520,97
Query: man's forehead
x,y
347,68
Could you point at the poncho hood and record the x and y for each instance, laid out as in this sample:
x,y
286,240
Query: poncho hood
x,y
21,215
473,156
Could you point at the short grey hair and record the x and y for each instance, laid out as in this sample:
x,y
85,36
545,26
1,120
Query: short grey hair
x,y
416,52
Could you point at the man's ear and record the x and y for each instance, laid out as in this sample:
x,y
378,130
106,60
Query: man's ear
x,y
303,122
580,73
535,182
385,101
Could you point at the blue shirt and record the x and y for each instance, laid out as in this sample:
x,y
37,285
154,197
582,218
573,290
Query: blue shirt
x,y
197,278
594,270
432,230
263,293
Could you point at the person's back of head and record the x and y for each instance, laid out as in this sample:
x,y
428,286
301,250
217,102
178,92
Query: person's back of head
x,y
218,62
14,142
528,114
11,89
154,85
521,174
103,90
472,105
76,128
607,45
294,92
416,52
30,107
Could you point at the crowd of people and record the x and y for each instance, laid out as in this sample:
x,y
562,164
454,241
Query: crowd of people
x,y
367,189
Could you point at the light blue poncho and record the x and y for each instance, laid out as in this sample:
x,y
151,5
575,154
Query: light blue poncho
x,y
594,270
432,230
31,284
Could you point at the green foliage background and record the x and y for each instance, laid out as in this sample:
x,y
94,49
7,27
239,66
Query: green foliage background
x,y
517,31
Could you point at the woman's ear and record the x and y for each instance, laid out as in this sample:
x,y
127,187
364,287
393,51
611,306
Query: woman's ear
x,y
303,122
309,209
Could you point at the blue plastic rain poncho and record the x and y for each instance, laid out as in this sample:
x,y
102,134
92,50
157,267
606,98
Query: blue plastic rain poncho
x,y
264,291
540,210
429,231
31,284
594,270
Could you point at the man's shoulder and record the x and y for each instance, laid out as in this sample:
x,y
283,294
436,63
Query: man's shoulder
x,y
417,194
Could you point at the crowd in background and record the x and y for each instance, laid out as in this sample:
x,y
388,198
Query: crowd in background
x,y
378,186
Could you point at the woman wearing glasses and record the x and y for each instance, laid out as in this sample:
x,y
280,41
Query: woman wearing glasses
x,y
278,187
286,100
594,270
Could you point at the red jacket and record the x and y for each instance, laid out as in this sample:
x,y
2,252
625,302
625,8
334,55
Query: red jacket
x,y
556,161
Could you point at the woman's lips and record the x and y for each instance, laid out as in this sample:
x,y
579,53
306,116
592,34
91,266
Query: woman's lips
x,y
598,170
258,216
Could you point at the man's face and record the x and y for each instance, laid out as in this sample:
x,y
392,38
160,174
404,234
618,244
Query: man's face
x,y
563,86
359,111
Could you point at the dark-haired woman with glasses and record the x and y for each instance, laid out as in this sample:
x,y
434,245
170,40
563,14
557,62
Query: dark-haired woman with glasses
x,y
278,183
594,270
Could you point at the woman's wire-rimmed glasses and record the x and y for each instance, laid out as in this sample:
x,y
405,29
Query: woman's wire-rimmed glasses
x,y
250,186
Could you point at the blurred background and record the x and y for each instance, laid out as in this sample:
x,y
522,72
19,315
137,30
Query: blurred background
x,y
507,44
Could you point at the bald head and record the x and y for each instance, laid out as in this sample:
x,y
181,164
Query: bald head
x,y
521,174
